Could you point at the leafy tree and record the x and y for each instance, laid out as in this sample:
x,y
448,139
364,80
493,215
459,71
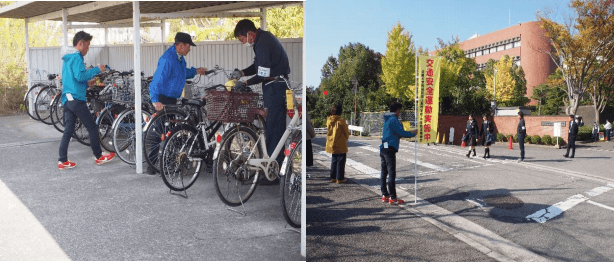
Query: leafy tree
x,y
511,83
398,65
581,46
550,95
601,92
354,60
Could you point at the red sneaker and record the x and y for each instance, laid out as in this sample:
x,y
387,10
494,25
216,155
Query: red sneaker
x,y
105,158
396,201
66,165
385,198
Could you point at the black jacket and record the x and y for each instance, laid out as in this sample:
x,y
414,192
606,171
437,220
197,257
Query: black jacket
x,y
522,130
487,128
472,129
270,59
573,130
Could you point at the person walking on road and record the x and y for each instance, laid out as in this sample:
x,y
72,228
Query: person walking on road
x,y
608,130
488,135
471,131
391,134
595,132
337,136
571,137
74,83
521,132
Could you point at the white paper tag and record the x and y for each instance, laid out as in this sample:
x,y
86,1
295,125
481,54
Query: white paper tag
x,y
264,72
69,97
385,144
523,128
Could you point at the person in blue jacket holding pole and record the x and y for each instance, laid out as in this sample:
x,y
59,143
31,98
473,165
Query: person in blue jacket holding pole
x,y
392,132
74,87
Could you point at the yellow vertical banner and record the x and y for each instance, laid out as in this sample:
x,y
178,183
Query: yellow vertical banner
x,y
428,98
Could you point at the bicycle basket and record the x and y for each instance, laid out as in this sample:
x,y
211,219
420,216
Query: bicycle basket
x,y
231,107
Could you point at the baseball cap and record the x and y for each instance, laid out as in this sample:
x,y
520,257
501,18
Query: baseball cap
x,y
184,38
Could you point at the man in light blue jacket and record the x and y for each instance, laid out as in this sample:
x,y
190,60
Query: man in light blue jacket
x,y
393,131
74,86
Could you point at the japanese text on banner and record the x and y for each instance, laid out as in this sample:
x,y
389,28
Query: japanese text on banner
x,y
428,98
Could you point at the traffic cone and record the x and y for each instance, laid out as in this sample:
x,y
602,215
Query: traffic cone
x,y
437,139
463,142
443,141
511,139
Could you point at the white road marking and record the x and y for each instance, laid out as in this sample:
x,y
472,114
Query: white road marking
x,y
420,163
23,237
600,205
550,212
598,191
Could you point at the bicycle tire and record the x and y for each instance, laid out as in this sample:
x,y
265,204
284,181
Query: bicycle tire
x,y
57,114
33,92
175,164
124,137
42,106
228,178
290,187
81,134
158,125
105,123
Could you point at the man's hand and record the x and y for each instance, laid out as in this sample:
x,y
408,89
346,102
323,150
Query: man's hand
x,y
236,74
158,106
102,67
201,71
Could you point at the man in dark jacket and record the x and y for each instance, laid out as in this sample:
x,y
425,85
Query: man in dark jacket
x,y
392,132
521,132
571,137
270,61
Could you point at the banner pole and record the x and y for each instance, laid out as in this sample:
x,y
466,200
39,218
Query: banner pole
x,y
416,124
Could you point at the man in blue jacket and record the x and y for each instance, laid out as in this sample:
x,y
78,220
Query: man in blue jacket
x,y
393,131
74,86
168,80
270,61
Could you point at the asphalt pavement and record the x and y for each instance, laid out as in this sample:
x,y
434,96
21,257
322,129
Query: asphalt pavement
x,y
547,208
109,212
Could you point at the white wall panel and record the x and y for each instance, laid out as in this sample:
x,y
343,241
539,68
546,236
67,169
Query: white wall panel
x,y
226,54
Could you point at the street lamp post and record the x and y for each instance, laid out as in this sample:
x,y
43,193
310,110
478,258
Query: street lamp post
x,y
494,103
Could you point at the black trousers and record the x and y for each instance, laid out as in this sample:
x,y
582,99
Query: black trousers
x,y
571,144
337,166
274,96
73,110
521,146
309,157
389,169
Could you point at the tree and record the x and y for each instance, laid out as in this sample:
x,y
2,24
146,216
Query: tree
x,y
511,83
398,64
582,44
550,96
354,59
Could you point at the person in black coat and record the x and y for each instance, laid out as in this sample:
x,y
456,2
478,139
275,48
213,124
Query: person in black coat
x,y
521,132
487,133
571,137
472,131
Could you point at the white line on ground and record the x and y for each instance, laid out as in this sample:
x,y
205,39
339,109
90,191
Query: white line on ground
x,y
550,212
600,205
23,237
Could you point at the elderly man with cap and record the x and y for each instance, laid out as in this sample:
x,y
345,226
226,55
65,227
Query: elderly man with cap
x,y
168,80
270,61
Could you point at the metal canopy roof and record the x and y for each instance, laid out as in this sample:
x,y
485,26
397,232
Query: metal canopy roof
x,y
109,11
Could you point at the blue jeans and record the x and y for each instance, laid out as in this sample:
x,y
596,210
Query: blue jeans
x,y
73,110
274,96
337,166
389,169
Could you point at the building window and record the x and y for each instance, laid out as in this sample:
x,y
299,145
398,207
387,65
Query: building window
x,y
509,46
517,43
517,62
493,49
486,51
478,53
500,48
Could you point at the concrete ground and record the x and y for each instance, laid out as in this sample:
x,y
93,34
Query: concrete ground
x,y
109,212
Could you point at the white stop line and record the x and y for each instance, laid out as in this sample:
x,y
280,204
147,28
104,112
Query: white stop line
x,y
550,212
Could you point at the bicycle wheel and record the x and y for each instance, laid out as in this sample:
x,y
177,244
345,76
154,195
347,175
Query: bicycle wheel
x,y
31,96
57,114
291,186
124,135
160,123
178,171
234,181
81,134
42,106
105,124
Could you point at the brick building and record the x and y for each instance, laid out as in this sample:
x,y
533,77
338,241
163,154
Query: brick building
x,y
524,42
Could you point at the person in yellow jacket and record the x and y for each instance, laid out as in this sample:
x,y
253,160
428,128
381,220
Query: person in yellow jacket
x,y
337,143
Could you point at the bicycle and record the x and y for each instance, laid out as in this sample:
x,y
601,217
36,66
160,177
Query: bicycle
x,y
242,155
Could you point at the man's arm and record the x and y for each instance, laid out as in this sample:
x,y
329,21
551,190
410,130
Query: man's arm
x,y
80,73
190,72
397,127
162,73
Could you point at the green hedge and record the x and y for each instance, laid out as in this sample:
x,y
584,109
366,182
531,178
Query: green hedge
x,y
535,139
501,137
547,140
585,133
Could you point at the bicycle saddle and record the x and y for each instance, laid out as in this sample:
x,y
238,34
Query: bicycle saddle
x,y
194,102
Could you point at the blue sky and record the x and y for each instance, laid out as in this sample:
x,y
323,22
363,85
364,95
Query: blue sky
x,y
332,24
